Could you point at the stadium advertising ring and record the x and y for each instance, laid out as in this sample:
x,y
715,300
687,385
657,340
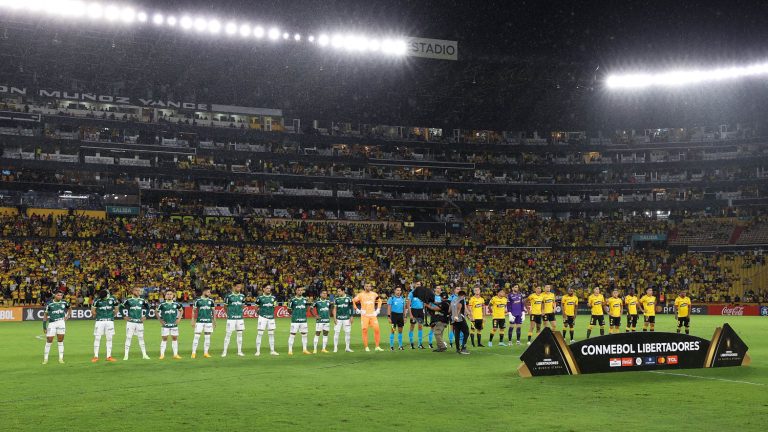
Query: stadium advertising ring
x,y
637,351
80,313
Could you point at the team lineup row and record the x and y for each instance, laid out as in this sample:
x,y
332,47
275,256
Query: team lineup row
x,y
441,311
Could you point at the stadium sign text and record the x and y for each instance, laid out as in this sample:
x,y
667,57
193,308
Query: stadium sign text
x,y
108,99
550,355
433,48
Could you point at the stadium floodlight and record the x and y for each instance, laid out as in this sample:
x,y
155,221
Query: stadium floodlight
x,y
142,17
230,28
158,19
683,77
75,9
245,30
258,32
286,35
297,37
373,45
127,15
95,11
214,26
111,13
186,22
33,5
201,24
274,33
311,38
337,41
323,40
172,21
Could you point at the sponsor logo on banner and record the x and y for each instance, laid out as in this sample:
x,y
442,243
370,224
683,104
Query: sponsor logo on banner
x,y
661,360
11,314
764,311
649,361
282,312
627,362
734,310
433,48
639,361
672,360
614,362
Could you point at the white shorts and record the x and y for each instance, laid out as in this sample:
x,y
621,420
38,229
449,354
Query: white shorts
x,y
322,327
56,328
104,328
203,327
299,327
345,323
266,324
235,325
169,331
132,328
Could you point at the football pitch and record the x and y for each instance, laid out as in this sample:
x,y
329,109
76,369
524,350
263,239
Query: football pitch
x,y
410,390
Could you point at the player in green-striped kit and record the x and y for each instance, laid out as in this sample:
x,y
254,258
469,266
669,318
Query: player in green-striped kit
x,y
54,324
203,321
105,310
298,308
136,310
342,318
323,314
235,322
169,313
265,307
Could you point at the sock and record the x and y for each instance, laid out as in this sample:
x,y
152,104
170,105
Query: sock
x,y
195,341
127,346
400,339
142,346
258,340
421,338
563,333
589,332
509,333
271,335
96,345
645,329
290,342
109,345
162,347
429,337
571,332
304,341
336,340
376,335
61,350
325,341
410,336
450,337
317,339
490,339
239,338
501,337
227,335
602,331
678,330
46,351
365,337
207,343
175,346
472,337
687,330
529,336
518,334
347,338
391,339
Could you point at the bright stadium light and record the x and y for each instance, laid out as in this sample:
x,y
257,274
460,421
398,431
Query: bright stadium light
x,y
245,30
337,41
142,17
683,77
286,35
111,13
311,38
201,24
373,45
230,28
186,22
274,33
172,21
258,32
214,26
323,40
127,15
95,11
297,37
158,19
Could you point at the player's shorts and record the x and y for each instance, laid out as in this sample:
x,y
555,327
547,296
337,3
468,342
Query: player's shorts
x,y
614,321
265,324
632,320
169,331
366,322
650,319
343,323
515,319
684,321
550,317
569,320
322,327
499,323
536,318
104,328
56,328
417,316
299,328
397,319
595,319
235,325
203,327
132,328
478,323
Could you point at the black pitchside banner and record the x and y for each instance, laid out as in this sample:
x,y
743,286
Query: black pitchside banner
x,y
550,355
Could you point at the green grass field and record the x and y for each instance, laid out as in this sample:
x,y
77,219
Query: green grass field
x,y
362,391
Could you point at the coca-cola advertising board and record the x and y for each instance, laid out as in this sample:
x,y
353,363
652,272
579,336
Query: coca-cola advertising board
x,y
733,310
248,312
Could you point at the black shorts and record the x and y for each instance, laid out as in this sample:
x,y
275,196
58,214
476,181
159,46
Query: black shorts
x,y
417,316
614,321
536,319
478,324
550,317
597,319
685,321
631,320
650,319
569,321
499,323
397,319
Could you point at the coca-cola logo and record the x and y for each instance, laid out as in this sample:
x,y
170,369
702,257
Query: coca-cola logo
x,y
282,312
733,310
248,312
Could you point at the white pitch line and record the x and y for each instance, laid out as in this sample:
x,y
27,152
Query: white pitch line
x,y
706,378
